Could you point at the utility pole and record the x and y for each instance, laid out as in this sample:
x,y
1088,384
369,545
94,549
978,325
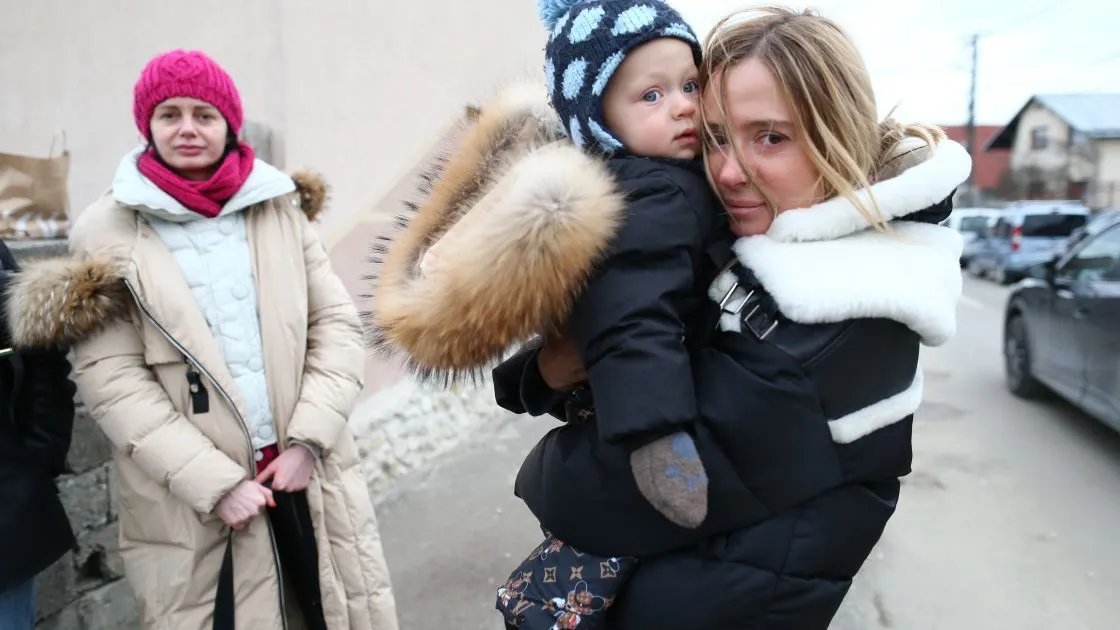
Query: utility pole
x,y
973,198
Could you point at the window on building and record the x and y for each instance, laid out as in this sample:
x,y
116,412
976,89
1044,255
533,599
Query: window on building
x,y
1040,138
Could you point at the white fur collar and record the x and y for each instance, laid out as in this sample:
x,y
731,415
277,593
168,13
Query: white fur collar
x,y
825,264
910,274
918,187
131,188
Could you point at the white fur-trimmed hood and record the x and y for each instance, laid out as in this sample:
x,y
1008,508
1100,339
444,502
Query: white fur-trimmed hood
x,y
911,275
825,264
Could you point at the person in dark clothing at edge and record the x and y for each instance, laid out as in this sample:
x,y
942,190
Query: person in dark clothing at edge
x,y
36,419
807,378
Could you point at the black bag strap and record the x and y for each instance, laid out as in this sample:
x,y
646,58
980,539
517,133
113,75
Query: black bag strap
x,y
223,600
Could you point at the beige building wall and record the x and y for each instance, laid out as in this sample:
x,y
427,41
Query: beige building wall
x,y
1054,156
1105,193
1108,164
360,90
354,88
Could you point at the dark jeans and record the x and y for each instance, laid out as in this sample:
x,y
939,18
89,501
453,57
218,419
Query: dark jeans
x,y
17,607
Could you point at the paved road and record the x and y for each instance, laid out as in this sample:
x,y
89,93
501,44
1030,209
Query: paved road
x,y
1010,519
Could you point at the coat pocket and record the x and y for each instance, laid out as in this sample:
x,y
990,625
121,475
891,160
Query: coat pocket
x,y
765,415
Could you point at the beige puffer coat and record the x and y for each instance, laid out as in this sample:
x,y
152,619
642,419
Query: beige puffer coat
x,y
138,332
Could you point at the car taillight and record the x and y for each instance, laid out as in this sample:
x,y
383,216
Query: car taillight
x,y
1016,239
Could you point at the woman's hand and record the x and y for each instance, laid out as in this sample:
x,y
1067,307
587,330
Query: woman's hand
x,y
243,503
291,470
560,364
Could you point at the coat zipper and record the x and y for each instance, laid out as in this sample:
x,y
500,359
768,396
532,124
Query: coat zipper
x,y
244,427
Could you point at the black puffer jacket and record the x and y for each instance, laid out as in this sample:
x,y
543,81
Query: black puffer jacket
x,y
805,428
36,418
631,319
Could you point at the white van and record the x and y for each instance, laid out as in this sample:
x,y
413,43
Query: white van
x,y
971,223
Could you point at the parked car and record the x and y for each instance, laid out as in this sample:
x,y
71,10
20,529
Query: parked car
x,y
1097,222
1062,327
972,223
1026,234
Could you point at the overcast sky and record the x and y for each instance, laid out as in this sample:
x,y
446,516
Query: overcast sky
x,y
919,58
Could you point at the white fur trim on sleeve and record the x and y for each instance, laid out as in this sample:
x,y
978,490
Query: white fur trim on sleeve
x,y
886,412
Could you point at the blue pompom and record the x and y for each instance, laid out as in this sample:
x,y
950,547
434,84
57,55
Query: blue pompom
x,y
552,10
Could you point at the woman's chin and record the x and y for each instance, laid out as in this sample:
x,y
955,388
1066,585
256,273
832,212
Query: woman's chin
x,y
751,221
193,168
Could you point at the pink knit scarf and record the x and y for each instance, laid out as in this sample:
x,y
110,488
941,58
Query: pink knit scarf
x,y
204,197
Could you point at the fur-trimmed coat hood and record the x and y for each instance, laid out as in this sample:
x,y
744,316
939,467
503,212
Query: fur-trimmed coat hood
x,y
58,301
518,217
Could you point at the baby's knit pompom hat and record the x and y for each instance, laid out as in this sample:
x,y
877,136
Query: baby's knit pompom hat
x,y
589,40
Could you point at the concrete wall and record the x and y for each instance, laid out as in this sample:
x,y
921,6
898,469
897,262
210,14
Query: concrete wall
x,y
356,89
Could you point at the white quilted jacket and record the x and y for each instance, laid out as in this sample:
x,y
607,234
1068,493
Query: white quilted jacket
x,y
213,255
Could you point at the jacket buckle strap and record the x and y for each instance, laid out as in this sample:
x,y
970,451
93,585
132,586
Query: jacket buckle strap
x,y
739,302
761,326
760,323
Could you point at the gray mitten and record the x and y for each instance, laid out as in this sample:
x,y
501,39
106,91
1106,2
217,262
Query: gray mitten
x,y
671,477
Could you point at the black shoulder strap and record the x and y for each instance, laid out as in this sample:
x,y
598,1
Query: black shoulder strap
x,y
708,319
748,300
759,312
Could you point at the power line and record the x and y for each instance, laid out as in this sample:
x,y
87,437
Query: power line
x,y
1026,19
1065,69
974,44
1105,59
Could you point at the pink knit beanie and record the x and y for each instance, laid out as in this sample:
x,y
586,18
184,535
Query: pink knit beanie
x,y
188,74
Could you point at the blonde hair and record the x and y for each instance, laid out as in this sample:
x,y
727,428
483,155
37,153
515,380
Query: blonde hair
x,y
828,91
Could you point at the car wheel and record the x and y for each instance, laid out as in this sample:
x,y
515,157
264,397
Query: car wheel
x,y
974,269
1017,360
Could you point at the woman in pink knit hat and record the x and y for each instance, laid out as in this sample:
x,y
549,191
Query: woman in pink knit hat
x,y
222,357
